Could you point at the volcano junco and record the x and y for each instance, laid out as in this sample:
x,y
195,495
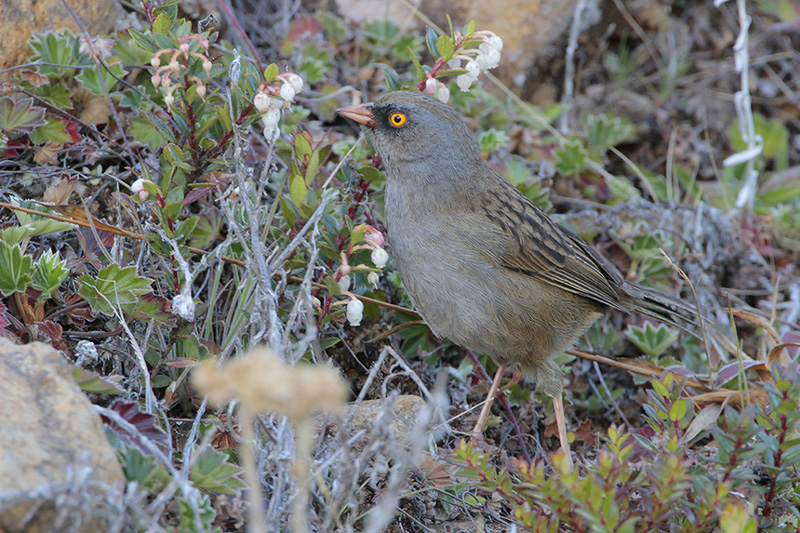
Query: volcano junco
x,y
483,265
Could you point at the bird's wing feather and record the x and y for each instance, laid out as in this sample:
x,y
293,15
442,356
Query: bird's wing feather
x,y
529,242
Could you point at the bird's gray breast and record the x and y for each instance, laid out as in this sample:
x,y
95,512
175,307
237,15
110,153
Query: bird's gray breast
x,y
445,279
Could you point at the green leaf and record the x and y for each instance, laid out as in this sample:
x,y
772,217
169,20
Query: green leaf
x,y
224,116
53,131
113,287
445,47
213,472
91,79
417,65
92,382
297,190
61,51
333,287
431,39
174,155
17,269
469,29
302,147
450,72
312,168
391,79
678,410
50,272
41,225
145,133
271,72
162,24
660,389
571,158
55,95
371,174
604,131
21,116
17,234
653,341
162,127
143,40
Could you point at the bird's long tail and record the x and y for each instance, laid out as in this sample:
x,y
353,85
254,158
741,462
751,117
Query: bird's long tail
x,y
677,313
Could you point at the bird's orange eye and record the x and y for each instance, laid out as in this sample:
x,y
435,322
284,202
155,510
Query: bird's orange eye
x,y
397,119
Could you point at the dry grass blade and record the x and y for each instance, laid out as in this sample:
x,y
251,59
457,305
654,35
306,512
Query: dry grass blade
x,y
637,366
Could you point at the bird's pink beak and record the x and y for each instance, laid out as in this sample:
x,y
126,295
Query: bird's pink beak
x,y
360,113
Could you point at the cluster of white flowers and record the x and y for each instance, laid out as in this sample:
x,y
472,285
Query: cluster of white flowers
x,y
270,108
374,241
438,89
487,56
168,77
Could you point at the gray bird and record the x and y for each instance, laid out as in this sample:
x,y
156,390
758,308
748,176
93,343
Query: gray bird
x,y
483,265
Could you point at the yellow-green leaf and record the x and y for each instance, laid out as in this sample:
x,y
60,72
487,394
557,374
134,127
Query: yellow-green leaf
x,y
297,190
678,410
162,24
313,167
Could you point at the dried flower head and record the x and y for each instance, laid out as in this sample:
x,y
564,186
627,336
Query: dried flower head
x,y
264,383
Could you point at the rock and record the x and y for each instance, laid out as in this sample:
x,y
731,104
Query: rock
x,y
404,409
57,469
20,18
527,27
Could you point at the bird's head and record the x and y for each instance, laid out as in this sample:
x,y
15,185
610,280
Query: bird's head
x,y
412,128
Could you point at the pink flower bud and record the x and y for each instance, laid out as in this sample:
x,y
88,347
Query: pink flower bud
x,y
155,62
430,85
174,65
156,80
207,66
372,236
184,48
169,100
138,188
201,90
262,102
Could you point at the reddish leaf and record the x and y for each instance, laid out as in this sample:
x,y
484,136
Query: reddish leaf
x,y
146,427
731,370
72,129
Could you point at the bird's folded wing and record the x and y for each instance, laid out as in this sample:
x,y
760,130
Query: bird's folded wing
x,y
526,240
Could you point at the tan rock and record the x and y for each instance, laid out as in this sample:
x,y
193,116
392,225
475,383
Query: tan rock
x,y
57,470
405,409
527,27
20,18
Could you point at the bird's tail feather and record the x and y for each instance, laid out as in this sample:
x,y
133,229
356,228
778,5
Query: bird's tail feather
x,y
680,314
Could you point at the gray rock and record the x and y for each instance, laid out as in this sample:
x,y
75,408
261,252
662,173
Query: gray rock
x,y
57,469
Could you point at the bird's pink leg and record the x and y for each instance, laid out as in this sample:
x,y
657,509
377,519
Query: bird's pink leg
x,y
477,431
561,424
